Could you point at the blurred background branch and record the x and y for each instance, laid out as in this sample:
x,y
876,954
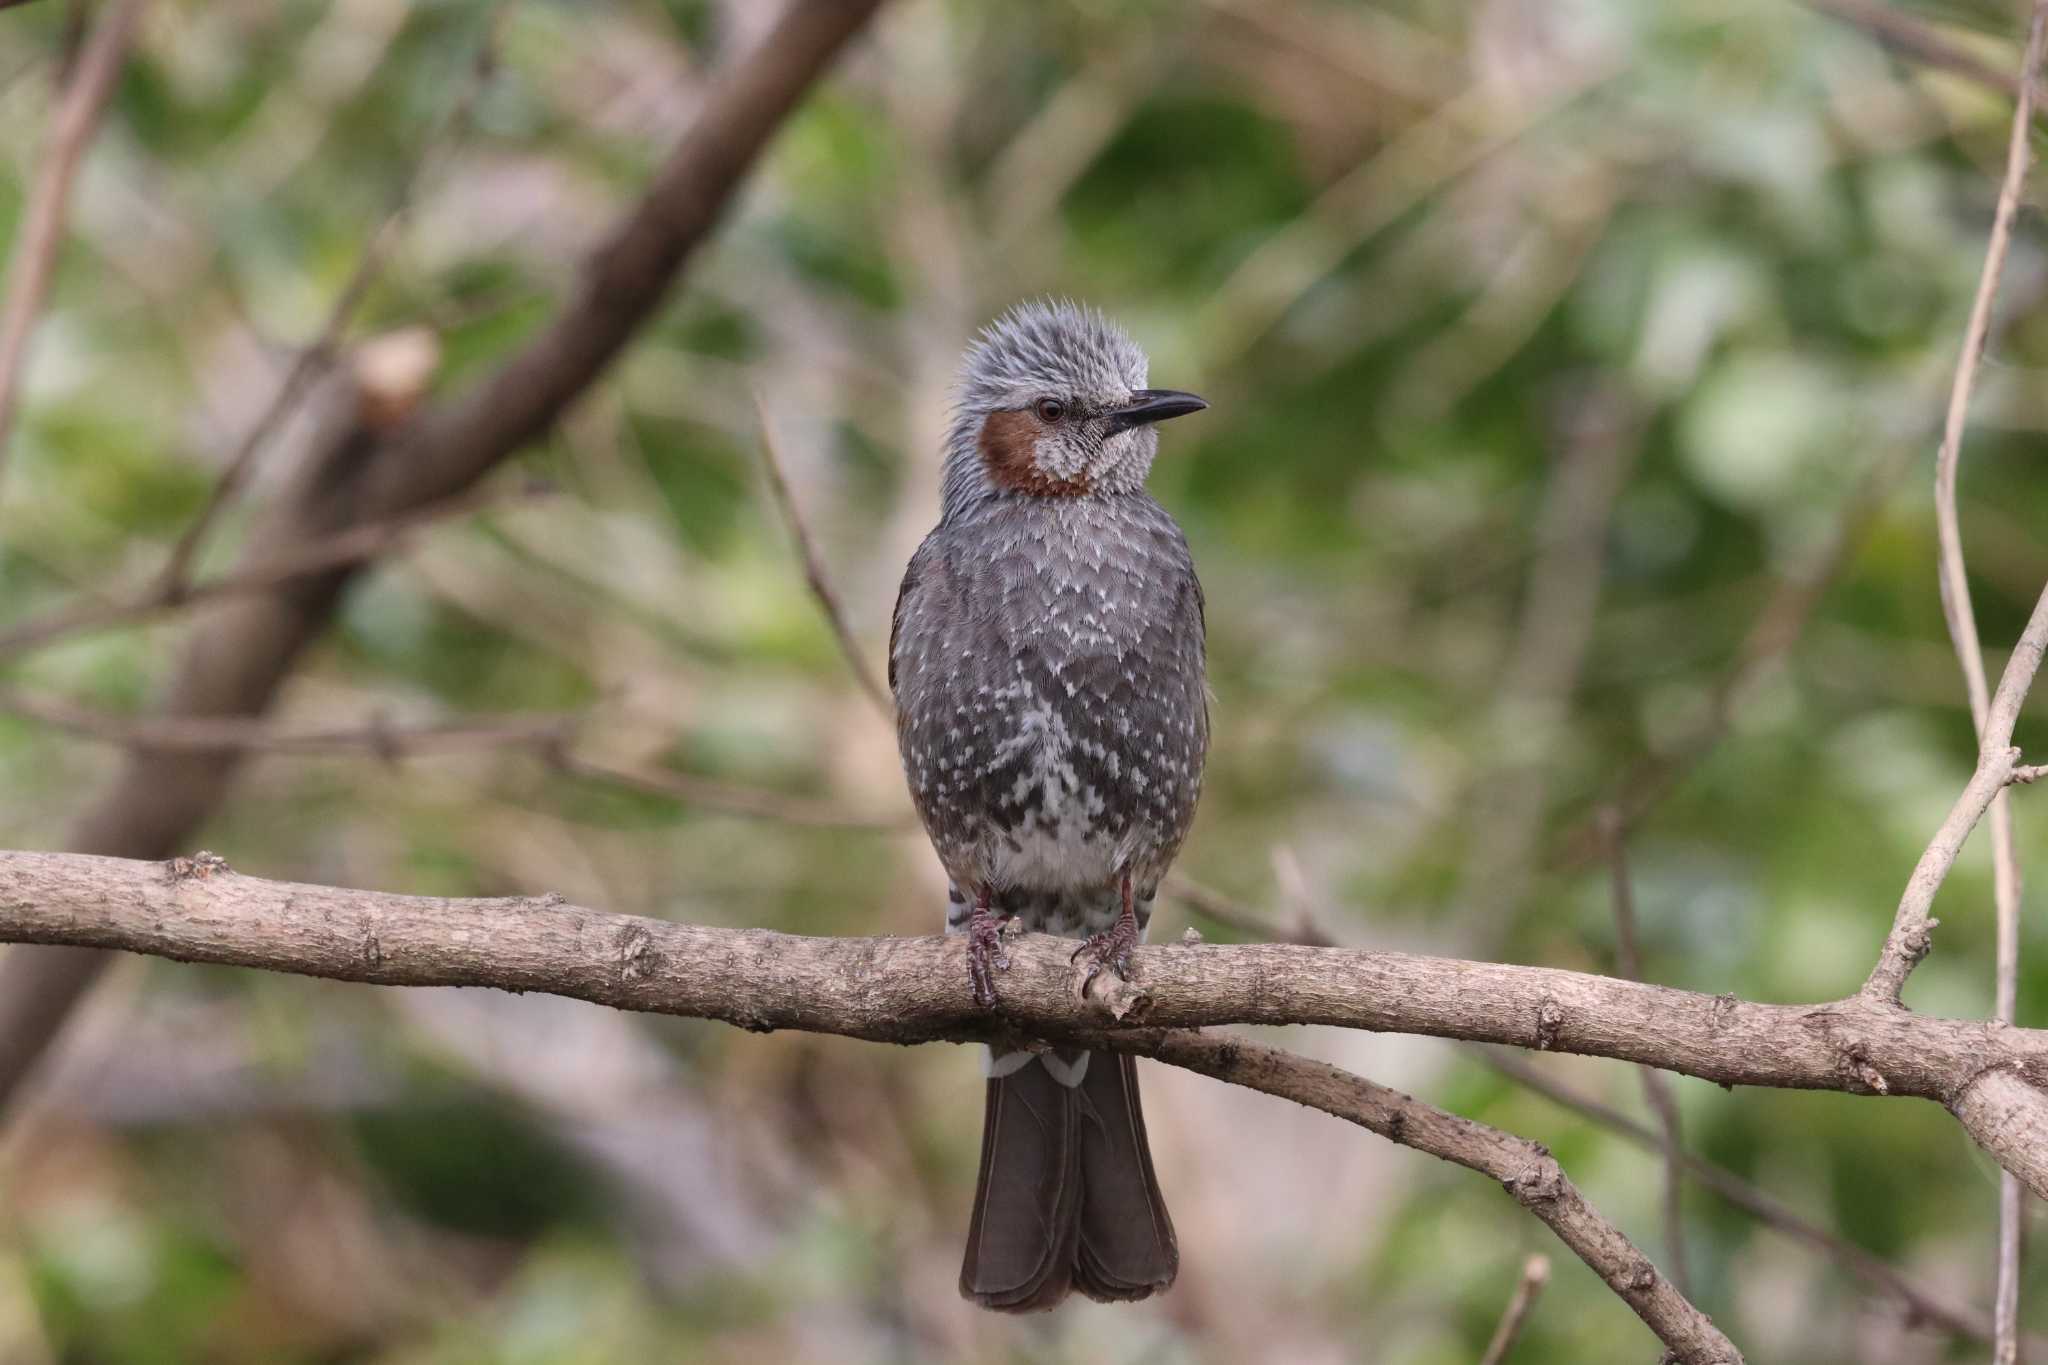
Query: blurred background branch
x,y
381,461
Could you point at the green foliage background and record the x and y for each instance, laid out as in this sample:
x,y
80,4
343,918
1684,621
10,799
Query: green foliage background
x,y
1544,341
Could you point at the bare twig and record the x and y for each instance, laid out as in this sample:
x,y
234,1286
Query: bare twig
x,y
41,233
1962,631
1909,938
1896,29
344,549
725,796
317,353
1656,1086
548,737
1213,904
1535,1274
1459,135
814,567
1756,1202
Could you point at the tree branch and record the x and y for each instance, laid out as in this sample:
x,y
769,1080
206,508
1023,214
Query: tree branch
x,y
1758,1203
548,737
884,990
1911,932
913,990
41,233
815,576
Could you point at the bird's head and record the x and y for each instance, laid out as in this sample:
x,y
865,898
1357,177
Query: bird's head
x,y
1051,402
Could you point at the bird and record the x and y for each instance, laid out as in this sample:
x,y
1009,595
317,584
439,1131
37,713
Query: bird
x,y
1047,657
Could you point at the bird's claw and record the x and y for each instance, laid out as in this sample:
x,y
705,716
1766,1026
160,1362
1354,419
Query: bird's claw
x,y
986,957
1111,949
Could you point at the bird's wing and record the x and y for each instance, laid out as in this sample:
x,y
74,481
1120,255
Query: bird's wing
x,y
926,565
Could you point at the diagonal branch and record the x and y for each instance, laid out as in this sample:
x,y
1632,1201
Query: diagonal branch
x,y
41,233
1758,1203
1912,928
321,350
819,581
1526,1170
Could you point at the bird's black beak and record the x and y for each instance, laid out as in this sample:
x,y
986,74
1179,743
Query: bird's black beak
x,y
1154,405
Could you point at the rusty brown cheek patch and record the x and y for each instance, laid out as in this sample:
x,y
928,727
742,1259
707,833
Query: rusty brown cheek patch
x,y
1007,441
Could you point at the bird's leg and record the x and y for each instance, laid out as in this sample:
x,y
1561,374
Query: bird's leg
x,y
985,955
1112,948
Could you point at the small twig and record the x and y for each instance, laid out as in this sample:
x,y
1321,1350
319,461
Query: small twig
x,y
1898,31
547,736
815,576
1909,938
1535,1274
1214,905
311,357
353,546
41,233
2027,773
1656,1085
211,734
724,796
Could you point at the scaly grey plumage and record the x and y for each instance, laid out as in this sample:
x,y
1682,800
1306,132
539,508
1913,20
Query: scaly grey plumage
x,y
1047,663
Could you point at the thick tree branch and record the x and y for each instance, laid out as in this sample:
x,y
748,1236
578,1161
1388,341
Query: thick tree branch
x,y
884,990
390,466
913,990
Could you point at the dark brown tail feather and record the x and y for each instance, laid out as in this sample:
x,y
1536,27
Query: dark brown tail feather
x,y
1067,1197
1020,1242
1127,1248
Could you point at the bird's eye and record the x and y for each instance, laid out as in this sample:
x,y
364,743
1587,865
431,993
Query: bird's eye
x,y
1051,409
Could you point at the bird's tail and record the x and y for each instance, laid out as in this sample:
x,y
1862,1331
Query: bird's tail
x,y
1067,1198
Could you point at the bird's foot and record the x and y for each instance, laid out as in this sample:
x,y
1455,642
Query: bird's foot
x,y
1111,949
985,955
